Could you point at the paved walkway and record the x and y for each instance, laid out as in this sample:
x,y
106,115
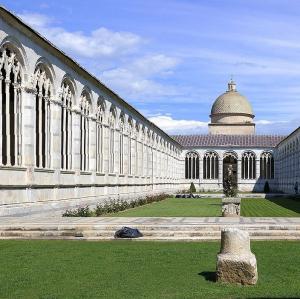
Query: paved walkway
x,y
56,219
152,228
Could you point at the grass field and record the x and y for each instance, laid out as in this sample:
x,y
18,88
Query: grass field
x,y
205,207
126,269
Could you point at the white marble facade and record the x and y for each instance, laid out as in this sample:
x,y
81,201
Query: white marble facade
x,y
288,163
68,140
252,168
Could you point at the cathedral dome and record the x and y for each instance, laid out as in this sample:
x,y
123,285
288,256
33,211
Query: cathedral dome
x,y
231,102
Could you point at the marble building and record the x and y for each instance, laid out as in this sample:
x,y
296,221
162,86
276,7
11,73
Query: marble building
x,y
67,139
231,141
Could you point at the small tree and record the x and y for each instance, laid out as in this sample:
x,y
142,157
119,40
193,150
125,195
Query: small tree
x,y
229,187
192,188
267,187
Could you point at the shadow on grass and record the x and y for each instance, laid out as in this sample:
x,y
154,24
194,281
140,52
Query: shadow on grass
x,y
208,275
288,203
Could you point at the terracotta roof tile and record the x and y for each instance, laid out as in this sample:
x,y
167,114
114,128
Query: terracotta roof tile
x,y
228,140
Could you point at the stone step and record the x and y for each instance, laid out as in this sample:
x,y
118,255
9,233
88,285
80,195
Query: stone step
x,y
206,227
103,234
150,238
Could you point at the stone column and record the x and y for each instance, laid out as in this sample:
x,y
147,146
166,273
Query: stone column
x,y
105,166
220,179
7,112
200,170
92,152
76,138
235,262
257,168
1,78
55,132
239,171
28,127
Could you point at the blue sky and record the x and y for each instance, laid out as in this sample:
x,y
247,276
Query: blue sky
x,y
171,59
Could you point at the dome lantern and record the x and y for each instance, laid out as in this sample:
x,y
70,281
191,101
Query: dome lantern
x,y
231,86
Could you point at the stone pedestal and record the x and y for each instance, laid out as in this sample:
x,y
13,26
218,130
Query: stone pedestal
x,y
235,262
231,207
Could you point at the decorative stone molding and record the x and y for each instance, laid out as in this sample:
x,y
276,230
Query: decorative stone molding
x,y
231,207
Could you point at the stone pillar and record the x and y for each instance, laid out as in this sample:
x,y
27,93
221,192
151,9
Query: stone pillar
x,y
257,168
105,149
220,179
92,148
55,130
239,171
235,262
28,127
76,138
200,170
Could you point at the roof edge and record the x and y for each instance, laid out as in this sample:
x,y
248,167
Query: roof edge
x,y
59,54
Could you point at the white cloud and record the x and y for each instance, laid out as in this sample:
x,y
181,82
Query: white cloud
x,y
270,122
101,42
154,64
35,19
135,79
179,126
104,48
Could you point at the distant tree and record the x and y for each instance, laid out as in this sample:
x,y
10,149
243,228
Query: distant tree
x,y
267,187
229,186
192,188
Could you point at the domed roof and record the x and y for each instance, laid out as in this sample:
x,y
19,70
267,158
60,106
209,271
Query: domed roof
x,y
231,102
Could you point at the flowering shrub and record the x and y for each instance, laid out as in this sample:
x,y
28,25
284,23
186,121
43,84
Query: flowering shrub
x,y
79,212
113,206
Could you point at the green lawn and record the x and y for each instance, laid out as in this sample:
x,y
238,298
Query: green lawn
x,y
176,207
275,207
204,207
127,269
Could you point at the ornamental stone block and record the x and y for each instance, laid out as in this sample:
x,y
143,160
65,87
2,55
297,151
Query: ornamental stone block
x,y
235,262
231,207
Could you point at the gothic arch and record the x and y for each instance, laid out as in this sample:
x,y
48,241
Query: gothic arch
x,y
11,106
85,112
210,165
248,166
230,154
192,165
43,86
267,165
44,66
13,44
67,98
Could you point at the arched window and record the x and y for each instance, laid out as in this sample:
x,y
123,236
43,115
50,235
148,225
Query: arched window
x,y
266,166
99,136
112,124
210,166
66,125
192,165
248,166
85,107
121,144
10,101
42,115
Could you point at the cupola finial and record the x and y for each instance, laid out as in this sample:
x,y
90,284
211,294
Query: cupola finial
x,y
231,85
